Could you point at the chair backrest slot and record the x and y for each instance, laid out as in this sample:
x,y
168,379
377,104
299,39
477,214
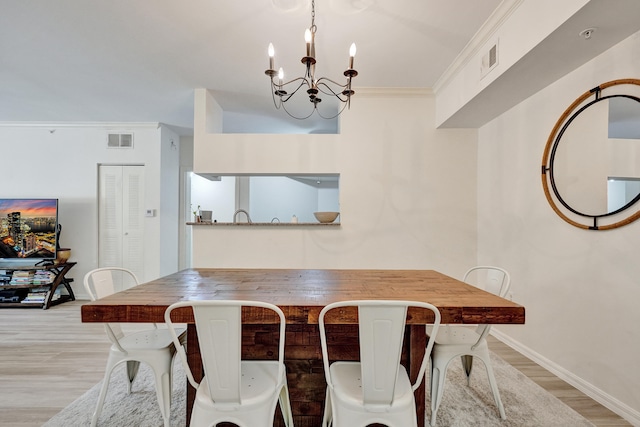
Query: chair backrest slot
x,y
381,335
219,331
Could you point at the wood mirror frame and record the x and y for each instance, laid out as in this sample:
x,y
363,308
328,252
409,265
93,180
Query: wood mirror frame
x,y
556,201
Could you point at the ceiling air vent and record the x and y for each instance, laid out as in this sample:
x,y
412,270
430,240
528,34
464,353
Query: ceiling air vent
x,y
120,140
489,60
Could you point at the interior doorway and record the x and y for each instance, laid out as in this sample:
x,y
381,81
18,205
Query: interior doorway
x,y
121,217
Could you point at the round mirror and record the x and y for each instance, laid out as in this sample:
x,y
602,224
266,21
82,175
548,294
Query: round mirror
x,y
591,163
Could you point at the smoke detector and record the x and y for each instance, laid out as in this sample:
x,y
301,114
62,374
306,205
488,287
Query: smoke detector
x,y
587,33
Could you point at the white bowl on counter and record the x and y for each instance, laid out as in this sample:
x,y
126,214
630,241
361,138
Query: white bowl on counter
x,y
326,217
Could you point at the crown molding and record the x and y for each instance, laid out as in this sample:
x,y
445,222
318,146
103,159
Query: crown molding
x,y
484,34
373,92
105,125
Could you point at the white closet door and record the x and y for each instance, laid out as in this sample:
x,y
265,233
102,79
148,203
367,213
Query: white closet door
x,y
121,215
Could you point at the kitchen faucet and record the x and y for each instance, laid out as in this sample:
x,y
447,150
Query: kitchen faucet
x,y
235,215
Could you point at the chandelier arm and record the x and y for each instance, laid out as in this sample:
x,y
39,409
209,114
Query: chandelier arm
x,y
304,81
344,105
277,103
284,107
331,92
321,80
276,87
294,92
281,103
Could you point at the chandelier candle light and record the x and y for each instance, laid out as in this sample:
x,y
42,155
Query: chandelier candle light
x,y
315,87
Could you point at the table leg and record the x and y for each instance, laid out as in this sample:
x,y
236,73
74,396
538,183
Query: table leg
x,y
417,346
195,363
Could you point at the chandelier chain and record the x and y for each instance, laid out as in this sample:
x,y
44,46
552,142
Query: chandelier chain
x,y
313,16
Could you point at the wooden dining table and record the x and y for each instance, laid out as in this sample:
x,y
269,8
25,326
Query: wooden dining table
x,y
301,294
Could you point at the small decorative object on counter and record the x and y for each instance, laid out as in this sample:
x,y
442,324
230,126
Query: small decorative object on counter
x,y
326,217
205,216
196,214
294,219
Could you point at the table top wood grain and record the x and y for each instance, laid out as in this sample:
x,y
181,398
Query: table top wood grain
x,y
301,294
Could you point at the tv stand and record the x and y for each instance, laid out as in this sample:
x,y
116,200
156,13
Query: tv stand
x,y
51,297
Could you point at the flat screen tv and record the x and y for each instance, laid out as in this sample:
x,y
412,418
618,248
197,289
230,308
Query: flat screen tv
x,y
28,229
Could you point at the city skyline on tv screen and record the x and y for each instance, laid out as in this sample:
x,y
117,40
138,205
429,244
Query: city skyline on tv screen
x,y
28,228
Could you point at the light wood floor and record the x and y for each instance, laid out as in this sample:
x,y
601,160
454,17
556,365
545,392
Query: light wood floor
x,y
572,397
48,358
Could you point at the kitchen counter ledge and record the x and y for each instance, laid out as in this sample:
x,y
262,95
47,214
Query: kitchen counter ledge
x,y
265,224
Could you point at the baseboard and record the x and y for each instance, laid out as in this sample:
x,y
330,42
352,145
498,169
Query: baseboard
x,y
606,400
82,296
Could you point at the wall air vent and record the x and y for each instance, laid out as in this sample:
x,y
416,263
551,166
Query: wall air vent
x,y
489,60
120,140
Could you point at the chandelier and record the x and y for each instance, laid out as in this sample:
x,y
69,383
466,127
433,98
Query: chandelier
x,y
316,87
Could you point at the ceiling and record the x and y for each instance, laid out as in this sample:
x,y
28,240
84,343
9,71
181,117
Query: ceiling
x,y
140,61
560,52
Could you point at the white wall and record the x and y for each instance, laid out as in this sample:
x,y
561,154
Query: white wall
x,y
184,231
169,194
407,191
61,161
580,288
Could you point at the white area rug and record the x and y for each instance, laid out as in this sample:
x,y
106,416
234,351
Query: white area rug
x,y
526,403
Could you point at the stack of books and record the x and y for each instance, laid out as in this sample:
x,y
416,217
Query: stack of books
x,y
36,296
20,277
43,277
4,277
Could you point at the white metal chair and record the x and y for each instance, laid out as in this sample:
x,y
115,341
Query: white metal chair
x,y
460,341
153,347
377,389
243,392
